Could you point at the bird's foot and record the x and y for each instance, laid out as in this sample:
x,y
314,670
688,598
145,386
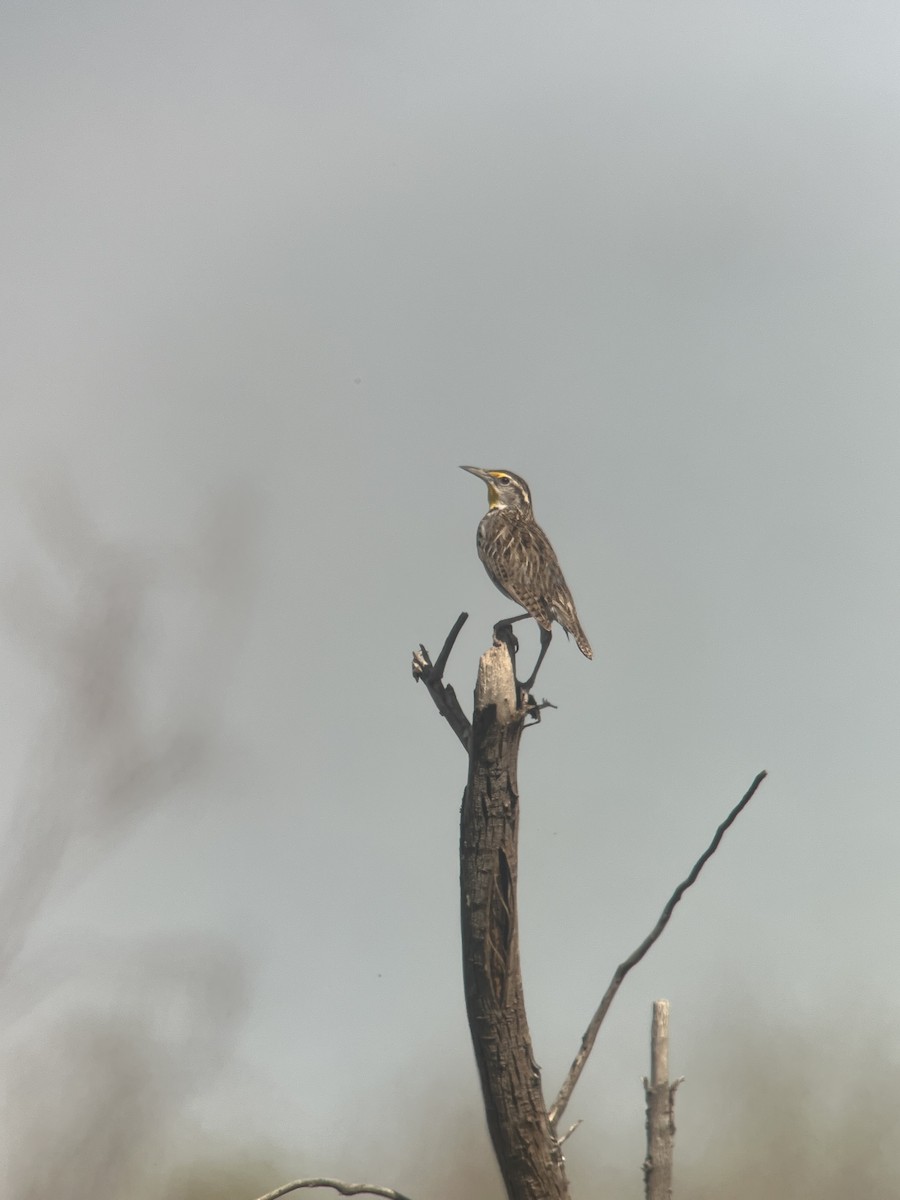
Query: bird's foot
x,y
504,636
530,706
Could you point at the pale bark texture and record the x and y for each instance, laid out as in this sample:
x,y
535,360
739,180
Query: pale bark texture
x,y
526,1147
660,1096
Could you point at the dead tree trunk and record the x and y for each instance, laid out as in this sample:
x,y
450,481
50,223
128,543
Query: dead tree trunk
x,y
526,1147
522,1129
660,1096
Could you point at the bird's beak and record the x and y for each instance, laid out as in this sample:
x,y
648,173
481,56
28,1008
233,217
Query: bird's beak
x,y
481,473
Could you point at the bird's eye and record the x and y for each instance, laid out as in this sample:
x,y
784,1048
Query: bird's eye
x,y
503,479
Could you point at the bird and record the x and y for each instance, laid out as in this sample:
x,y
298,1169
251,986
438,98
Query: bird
x,y
520,561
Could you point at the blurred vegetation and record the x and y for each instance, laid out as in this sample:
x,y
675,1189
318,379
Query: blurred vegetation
x,y
105,1042
798,1110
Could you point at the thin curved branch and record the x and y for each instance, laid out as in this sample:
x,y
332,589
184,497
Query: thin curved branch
x,y
443,695
590,1036
337,1185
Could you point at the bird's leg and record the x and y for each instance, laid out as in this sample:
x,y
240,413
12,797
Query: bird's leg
x,y
546,635
503,633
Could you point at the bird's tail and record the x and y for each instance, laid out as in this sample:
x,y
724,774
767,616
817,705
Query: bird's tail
x,y
572,625
581,640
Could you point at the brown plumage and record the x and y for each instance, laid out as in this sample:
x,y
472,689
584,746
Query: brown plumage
x,y
518,557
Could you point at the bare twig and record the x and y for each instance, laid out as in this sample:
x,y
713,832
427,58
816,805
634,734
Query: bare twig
x,y
569,1132
590,1036
449,644
443,695
337,1185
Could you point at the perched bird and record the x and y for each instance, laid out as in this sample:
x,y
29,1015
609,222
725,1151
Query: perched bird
x,y
518,557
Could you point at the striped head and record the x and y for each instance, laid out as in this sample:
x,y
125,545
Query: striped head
x,y
505,490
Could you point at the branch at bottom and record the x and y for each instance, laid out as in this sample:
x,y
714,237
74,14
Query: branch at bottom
x,y
337,1185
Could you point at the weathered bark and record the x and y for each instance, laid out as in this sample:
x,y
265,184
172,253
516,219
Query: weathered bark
x,y
660,1096
522,1130
526,1147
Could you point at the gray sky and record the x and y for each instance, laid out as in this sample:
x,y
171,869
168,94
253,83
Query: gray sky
x,y
313,256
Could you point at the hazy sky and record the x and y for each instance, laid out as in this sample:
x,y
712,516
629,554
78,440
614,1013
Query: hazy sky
x,y
311,257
